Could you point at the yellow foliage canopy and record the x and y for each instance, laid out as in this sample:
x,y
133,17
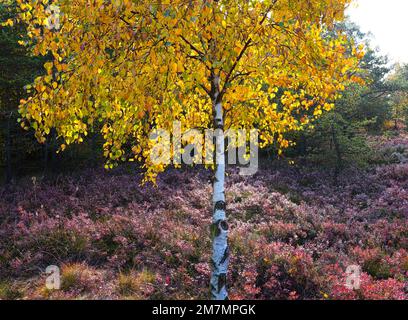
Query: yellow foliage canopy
x,y
134,66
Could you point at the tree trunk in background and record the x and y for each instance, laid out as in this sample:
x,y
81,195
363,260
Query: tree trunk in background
x,y
339,158
53,150
9,173
219,229
45,157
93,148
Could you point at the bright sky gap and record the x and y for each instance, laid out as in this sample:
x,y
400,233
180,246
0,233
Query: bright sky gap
x,y
388,23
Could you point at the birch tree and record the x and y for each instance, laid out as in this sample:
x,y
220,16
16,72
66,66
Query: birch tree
x,y
137,66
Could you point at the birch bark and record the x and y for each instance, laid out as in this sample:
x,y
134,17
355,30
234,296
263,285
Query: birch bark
x,y
219,229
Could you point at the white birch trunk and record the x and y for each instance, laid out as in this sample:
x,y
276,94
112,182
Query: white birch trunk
x,y
219,229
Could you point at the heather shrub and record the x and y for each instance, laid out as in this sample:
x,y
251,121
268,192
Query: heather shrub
x,y
42,240
390,289
114,239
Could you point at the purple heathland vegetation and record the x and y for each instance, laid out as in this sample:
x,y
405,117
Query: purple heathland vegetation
x,y
293,234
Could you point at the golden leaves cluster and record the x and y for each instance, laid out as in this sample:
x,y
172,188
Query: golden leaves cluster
x,y
126,67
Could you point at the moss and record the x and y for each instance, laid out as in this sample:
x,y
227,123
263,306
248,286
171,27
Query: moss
x,y
377,268
76,277
131,284
405,265
295,197
9,292
252,211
